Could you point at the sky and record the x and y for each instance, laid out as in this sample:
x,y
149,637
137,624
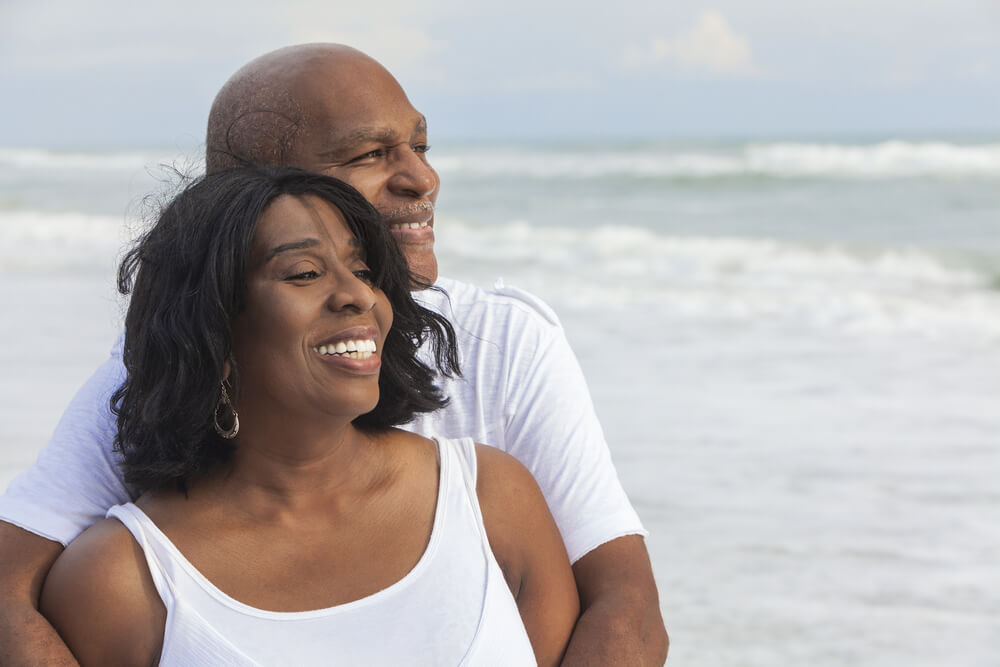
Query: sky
x,y
115,73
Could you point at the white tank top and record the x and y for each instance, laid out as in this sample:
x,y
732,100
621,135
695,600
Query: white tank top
x,y
452,608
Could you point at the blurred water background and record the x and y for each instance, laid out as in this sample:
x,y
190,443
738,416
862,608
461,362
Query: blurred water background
x,y
794,347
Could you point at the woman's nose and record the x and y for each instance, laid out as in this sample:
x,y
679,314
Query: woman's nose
x,y
351,292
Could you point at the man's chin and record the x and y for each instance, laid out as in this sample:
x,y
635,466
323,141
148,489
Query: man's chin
x,y
423,263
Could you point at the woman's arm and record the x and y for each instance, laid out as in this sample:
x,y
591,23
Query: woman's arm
x,y
527,544
101,598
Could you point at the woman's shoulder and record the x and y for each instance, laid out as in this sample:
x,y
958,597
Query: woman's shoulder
x,y
501,476
527,545
101,598
512,505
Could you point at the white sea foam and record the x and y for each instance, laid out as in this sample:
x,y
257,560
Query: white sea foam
x,y
41,159
889,159
66,241
861,289
858,288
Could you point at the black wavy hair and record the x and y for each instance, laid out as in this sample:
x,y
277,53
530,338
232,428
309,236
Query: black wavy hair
x,y
187,278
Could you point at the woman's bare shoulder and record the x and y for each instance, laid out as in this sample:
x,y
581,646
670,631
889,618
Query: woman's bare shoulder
x,y
513,508
101,598
501,478
526,543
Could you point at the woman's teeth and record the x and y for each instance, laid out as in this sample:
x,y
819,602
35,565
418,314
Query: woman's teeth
x,y
407,225
352,349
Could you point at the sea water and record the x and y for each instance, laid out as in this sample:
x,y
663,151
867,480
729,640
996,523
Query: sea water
x,y
794,349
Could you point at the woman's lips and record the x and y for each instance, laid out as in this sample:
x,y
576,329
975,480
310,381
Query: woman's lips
x,y
354,349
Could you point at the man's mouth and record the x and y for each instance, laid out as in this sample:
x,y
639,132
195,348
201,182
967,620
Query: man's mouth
x,y
408,219
399,226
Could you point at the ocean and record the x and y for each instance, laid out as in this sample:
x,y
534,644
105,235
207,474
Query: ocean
x,y
805,403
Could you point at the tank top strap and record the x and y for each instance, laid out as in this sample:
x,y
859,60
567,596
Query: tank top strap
x,y
463,452
148,537
500,635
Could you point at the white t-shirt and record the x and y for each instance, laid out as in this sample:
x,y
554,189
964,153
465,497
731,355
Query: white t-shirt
x,y
522,391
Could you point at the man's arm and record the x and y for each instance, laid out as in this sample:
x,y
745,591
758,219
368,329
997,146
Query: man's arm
x,y
26,638
620,622
555,432
70,486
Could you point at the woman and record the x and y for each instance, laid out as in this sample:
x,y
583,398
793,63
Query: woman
x,y
280,518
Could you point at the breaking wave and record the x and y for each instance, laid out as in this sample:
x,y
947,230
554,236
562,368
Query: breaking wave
x,y
889,159
828,285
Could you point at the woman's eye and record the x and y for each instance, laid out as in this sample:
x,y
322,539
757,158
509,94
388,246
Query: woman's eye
x,y
305,275
365,275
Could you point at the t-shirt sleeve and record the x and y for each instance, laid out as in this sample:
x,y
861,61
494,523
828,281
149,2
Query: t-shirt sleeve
x,y
553,430
75,479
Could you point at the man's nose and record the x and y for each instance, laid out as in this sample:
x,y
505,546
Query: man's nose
x,y
412,175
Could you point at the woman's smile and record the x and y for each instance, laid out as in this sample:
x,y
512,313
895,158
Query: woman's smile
x,y
354,350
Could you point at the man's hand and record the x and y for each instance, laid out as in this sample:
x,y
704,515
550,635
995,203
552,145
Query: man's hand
x,y
620,623
26,638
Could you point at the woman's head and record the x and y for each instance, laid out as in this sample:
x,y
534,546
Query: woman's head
x,y
260,272
309,292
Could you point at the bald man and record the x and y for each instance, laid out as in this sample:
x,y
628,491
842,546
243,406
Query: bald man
x,y
334,110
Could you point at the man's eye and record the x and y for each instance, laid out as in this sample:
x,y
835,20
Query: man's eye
x,y
421,148
305,275
370,155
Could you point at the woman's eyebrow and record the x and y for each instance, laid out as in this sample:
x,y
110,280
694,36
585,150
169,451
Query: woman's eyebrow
x,y
294,245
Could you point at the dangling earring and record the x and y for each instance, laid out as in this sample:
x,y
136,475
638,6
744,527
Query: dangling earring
x,y
223,405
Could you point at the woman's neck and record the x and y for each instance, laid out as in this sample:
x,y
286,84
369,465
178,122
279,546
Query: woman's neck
x,y
291,466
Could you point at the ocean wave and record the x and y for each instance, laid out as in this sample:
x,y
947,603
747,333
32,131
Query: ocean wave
x,y
38,159
33,240
827,285
889,159
891,288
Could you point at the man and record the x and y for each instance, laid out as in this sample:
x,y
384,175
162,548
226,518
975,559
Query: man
x,y
332,109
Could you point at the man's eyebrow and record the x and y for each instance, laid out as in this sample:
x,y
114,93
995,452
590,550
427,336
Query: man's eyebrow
x,y
294,245
360,135
349,141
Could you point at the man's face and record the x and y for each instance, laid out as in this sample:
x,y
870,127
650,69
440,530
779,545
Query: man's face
x,y
360,127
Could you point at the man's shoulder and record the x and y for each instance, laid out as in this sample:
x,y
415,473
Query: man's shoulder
x,y
461,301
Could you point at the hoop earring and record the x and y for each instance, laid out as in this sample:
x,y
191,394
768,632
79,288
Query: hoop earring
x,y
225,404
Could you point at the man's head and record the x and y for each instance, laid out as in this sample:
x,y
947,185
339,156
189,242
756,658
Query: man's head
x,y
332,109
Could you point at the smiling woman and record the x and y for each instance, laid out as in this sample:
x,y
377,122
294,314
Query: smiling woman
x,y
226,254
278,517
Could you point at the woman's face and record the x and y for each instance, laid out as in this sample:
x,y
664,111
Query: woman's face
x,y
311,333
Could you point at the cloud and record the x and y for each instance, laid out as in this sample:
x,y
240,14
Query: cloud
x,y
711,46
976,71
61,36
405,50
